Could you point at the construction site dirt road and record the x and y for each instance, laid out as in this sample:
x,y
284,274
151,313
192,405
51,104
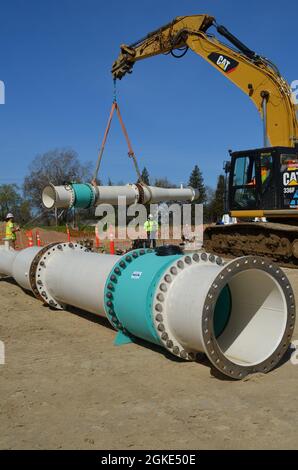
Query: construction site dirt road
x,y
64,385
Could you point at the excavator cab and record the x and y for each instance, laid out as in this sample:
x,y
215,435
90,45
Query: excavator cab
x,y
263,180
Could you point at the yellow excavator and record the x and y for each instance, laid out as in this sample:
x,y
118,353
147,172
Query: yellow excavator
x,y
263,182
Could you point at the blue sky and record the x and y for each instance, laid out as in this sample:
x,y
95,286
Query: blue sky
x,y
55,60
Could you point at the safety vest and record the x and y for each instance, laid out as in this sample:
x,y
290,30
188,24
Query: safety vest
x,y
10,235
150,226
264,174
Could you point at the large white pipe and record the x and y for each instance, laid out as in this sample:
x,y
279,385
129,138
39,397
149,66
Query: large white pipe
x,y
85,195
73,276
17,264
259,313
241,314
7,257
22,264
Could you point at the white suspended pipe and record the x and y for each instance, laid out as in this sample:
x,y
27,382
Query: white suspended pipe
x,y
153,194
86,195
241,314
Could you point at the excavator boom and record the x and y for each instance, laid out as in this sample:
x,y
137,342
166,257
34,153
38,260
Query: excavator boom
x,y
162,41
255,75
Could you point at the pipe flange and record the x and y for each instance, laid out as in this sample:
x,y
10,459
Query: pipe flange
x,y
33,268
159,312
69,187
214,353
195,193
43,291
141,187
111,286
93,194
96,194
141,193
135,187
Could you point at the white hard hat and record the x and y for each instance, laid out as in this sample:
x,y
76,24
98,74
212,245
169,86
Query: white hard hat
x,y
150,216
9,216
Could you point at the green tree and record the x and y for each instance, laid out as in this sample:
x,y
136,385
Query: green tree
x,y
210,194
196,181
22,212
217,205
163,183
12,201
145,176
9,199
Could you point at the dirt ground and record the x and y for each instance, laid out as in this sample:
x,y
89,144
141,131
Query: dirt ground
x,y
66,386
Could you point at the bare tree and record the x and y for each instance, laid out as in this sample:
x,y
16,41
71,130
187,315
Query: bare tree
x,y
58,166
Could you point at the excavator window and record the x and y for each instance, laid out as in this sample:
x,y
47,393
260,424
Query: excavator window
x,y
244,182
244,172
264,179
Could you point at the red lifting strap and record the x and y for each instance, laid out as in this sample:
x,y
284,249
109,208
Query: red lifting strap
x,y
131,153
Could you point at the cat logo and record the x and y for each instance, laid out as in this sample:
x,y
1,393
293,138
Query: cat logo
x,y
290,178
225,63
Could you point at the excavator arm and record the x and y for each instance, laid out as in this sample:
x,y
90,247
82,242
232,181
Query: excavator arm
x,y
255,75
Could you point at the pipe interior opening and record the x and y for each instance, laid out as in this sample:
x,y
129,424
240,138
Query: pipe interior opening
x,y
250,317
49,197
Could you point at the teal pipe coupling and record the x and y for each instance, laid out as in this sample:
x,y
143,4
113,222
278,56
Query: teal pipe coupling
x,y
84,195
130,291
196,303
136,292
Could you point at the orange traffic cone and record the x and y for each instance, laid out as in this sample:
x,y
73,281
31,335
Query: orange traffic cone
x,y
97,240
68,233
38,240
112,243
30,238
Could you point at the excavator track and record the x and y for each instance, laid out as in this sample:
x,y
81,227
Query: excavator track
x,y
278,242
